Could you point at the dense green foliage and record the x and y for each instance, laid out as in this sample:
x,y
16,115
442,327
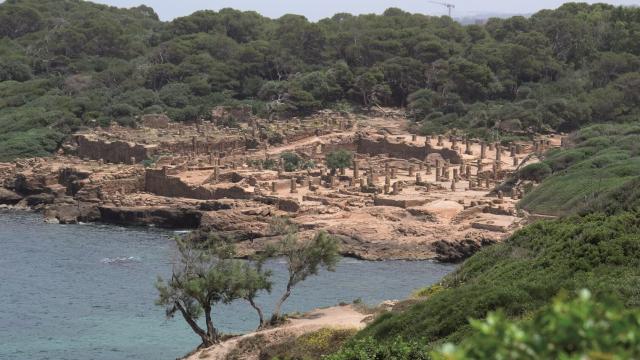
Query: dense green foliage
x,y
69,63
602,161
520,276
578,329
339,159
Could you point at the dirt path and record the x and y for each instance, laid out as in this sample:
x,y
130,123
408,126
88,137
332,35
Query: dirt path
x,y
344,317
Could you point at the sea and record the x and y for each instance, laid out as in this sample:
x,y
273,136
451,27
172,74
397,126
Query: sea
x,y
87,291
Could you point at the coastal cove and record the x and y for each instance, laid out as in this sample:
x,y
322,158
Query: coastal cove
x,y
86,291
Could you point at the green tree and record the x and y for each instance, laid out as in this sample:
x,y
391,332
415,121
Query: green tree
x,y
204,275
339,159
303,258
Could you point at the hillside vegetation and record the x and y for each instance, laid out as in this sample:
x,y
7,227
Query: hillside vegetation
x,y
66,64
518,277
602,161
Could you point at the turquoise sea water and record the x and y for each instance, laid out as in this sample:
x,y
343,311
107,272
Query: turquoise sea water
x,y
86,291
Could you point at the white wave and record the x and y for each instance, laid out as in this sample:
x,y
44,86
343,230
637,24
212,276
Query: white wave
x,y
121,260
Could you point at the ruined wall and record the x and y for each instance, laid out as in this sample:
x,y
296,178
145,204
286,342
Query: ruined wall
x,y
115,152
204,147
403,150
158,183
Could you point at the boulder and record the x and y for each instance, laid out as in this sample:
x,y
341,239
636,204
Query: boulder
x,y
8,197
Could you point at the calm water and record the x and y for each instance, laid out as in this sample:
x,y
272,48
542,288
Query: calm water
x,y
86,291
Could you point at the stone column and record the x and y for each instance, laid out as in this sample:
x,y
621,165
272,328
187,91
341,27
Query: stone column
x,y
356,170
428,168
373,177
467,149
294,189
440,143
468,173
437,173
487,182
411,170
274,188
495,171
455,175
483,150
498,152
414,137
216,173
515,161
454,143
393,172
480,166
396,188
512,148
453,185
418,178
363,183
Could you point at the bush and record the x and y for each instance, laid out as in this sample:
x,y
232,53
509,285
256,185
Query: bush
x,y
339,159
535,172
371,349
291,161
577,329
314,345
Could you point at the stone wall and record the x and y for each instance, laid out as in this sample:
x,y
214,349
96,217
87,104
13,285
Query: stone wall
x,y
204,146
158,183
111,151
403,150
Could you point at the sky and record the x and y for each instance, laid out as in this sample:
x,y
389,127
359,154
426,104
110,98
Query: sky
x,y
315,10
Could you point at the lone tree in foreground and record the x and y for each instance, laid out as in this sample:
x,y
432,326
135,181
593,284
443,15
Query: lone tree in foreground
x,y
304,258
206,274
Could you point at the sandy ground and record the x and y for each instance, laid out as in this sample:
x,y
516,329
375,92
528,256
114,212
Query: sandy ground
x,y
342,317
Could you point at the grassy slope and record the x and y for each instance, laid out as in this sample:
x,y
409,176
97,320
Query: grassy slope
x,y
605,157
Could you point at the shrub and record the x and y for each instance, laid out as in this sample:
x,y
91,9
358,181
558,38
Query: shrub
x,y
577,329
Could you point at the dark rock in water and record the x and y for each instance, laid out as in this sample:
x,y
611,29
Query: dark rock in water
x,y
177,218
454,252
8,197
72,213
